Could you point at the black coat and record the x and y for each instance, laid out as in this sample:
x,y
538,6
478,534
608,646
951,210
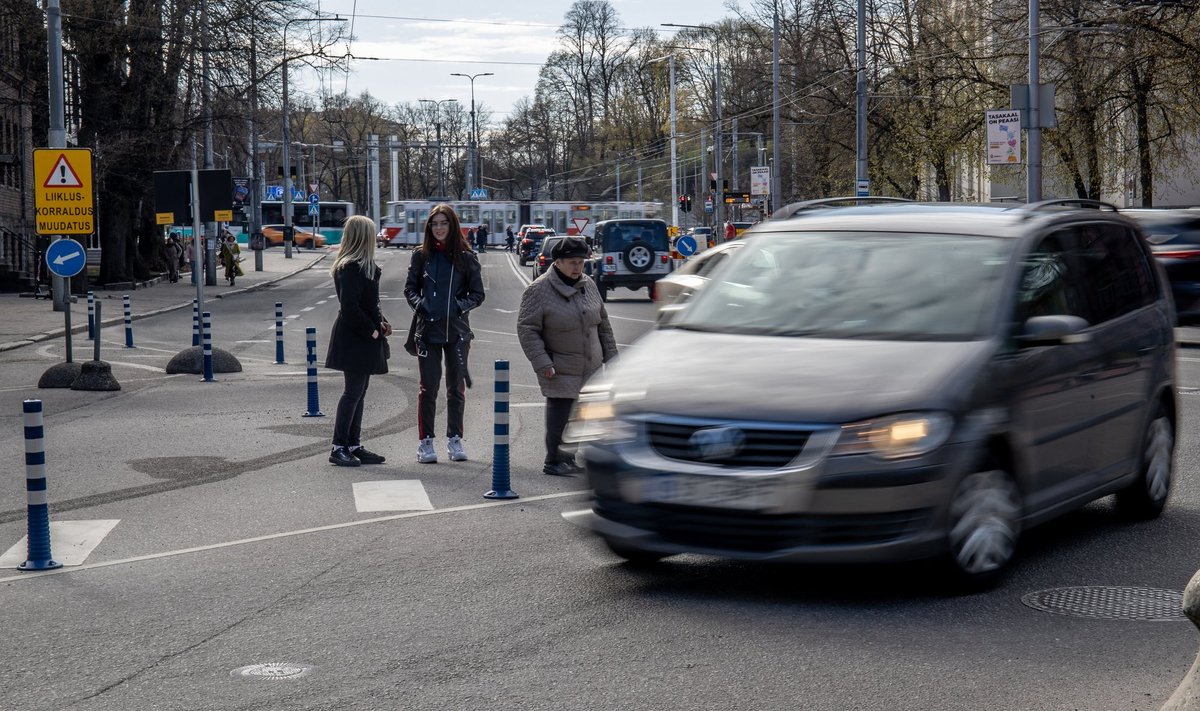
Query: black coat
x,y
351,347
441,296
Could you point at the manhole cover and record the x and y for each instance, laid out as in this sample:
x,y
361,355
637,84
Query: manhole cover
x,y
272,671
1110,603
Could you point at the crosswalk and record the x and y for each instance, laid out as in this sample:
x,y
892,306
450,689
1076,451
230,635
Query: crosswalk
x,y
73,541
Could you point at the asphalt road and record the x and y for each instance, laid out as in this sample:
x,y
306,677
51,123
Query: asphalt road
x,y
237,544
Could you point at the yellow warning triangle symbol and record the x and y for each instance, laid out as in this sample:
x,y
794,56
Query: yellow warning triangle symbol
x,y
62,175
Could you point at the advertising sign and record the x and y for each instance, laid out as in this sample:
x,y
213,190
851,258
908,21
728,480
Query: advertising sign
x,y
760,180
1003,136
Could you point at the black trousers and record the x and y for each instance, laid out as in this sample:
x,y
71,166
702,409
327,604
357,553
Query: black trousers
x,y
430,366
347,428
558,411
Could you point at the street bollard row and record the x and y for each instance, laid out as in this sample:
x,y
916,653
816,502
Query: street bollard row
x,y
91,316
314,404
501,487
207,336
195,323
278,333
128,321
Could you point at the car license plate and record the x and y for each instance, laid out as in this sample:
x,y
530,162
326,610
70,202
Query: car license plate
x,y
713,491
610,268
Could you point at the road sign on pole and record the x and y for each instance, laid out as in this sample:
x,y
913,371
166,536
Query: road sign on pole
x,y
314,209
685,245
580,223
65,258
314,199
62,196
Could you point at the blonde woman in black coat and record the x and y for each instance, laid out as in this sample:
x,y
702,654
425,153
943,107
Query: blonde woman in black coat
x,y
357,343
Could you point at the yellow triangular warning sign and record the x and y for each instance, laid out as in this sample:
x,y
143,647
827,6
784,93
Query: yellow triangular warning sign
x,y
62,175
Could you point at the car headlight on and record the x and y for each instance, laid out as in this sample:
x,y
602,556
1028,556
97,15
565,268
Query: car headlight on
x,y
909,434
595,419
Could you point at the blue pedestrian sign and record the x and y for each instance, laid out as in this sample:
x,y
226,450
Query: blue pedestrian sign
x,y
274,192
478,194
685,245
313,199
314,209
66,257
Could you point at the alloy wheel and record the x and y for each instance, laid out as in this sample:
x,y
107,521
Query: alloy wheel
x,y
984,517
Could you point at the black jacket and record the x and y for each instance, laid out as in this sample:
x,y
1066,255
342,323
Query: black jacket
x,y
441,296
351,347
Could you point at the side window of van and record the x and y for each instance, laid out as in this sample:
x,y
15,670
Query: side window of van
x,y
1050,283
1115,270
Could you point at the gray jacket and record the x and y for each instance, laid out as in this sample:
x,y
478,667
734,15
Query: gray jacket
x,y
567,327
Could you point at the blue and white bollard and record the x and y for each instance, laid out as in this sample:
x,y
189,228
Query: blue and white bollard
x,y
500,475
195,323
91,316
207,336
314,403
279,333
128,322
35,491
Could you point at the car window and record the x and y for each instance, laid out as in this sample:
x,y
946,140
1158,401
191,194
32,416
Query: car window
x,y
708,265
1050,282
1115,270
891,286
618,236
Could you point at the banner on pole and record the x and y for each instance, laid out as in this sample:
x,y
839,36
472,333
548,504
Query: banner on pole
x,y
760,180
1003,136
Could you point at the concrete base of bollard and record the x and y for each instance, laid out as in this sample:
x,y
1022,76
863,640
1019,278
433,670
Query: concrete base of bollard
x,y
95,375
61,375
191,360
1187,695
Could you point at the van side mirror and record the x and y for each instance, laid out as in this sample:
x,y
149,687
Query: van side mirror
x,y
1051,330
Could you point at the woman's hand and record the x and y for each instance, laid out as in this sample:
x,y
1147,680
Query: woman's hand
x,y
549,372
387,329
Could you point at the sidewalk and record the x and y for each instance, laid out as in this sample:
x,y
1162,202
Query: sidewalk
x,y
25,320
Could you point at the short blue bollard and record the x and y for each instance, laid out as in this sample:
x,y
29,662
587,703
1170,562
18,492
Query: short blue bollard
x,y
207,336
91,316
279,333
314,404
35,491
500,475
128,322
195,323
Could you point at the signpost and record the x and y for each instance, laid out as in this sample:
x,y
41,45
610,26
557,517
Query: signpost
x,y
66,258
580,223
1003,137
63,202
685,245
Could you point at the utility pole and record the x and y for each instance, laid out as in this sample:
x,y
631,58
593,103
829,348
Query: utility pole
x,y
373,167
395,174
60,287
776,182
437,122
210,228
473,139
862,184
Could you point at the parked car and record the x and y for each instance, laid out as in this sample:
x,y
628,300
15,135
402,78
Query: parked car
x,y
531,242
891,382
309,240
630,253
1174,237
693,275
543,260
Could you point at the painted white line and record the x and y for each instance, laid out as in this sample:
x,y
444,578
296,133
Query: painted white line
x,y
506,311
307,308
289,534
140,366
627,318
1190,360
255,341
324,284
512,263
527,404
322,301
293,316
391,495
71,542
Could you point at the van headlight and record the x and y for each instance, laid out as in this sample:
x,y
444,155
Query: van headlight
x,y
594,419
909,434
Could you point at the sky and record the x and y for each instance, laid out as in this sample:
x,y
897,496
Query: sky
x,y
510,39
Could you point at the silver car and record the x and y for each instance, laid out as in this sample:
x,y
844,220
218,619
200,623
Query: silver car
x,y
693,275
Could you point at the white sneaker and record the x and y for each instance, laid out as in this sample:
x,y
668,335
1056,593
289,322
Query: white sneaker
x,y
456,450
426,454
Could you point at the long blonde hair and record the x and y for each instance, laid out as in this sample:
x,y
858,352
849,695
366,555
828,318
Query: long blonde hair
x,y
358,245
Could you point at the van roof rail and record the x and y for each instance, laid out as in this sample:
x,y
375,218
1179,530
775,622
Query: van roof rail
x,y
794,208
1061,202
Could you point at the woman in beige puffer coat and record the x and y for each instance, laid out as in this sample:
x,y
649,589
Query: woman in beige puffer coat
x,y
564,331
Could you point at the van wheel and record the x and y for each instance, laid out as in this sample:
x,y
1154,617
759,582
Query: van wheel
x,y
983,527
603,291
650,292
635,556
1147,495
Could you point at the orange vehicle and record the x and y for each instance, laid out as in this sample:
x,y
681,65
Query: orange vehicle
x,y
274,237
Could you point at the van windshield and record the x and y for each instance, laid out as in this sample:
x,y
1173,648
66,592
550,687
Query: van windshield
x,y
856,285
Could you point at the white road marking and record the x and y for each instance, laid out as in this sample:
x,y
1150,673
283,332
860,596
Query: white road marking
x,y
140,366
255,341
71,542
307,308
294,316
289,534
512,263
506,311
322,301
527,404
324,284
391,495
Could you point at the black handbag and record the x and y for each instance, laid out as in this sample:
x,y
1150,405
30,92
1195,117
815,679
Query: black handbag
x,y
410,343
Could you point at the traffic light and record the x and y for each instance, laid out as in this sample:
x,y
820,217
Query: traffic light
x,y
683,203
689,203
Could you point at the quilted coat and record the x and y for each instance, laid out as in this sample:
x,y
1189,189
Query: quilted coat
x,y
565,326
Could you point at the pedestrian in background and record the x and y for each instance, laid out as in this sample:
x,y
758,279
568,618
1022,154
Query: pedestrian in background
x,y
564,330
509,239
444,283
358,341
230,255
172,253
481,236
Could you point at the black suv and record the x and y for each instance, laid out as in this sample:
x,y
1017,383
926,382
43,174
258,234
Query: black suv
x,y
631,253
531,243
1174,237
892,381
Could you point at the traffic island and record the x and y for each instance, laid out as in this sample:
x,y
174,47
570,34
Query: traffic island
x,y
62,375
95,375
191,360
1187,695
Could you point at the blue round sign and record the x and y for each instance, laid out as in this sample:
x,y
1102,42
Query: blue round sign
x,y
65,257
685,245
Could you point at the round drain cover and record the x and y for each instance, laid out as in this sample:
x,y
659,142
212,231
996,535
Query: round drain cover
x,y
1110,603
272,671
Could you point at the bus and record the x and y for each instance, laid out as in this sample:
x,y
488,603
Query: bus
x,y
404,220
332,215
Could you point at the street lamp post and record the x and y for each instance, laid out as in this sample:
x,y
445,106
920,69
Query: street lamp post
x,y
437,122
674,175
473,143
719,197
288,236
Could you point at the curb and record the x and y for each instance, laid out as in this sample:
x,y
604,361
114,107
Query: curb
x,y
120,319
